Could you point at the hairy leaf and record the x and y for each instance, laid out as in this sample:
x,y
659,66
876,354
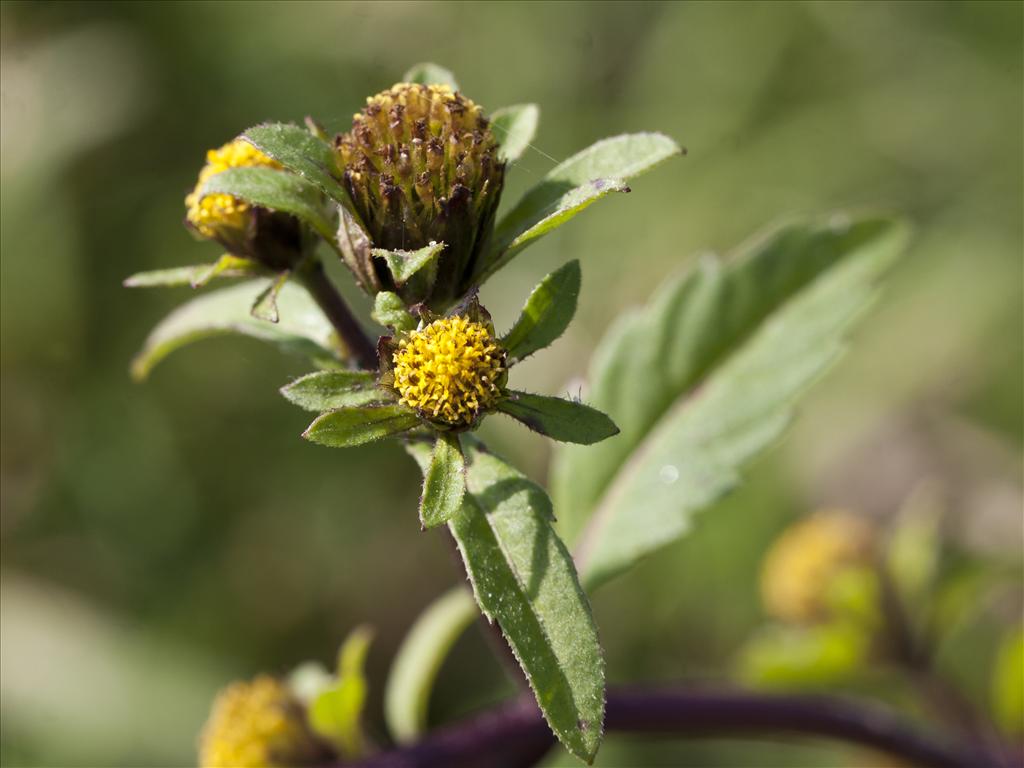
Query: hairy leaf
x,y
524,578
326,390
514,128
279,190
705,377
427,73
300,152
403,265
389,310
302,329
419,659
444,483
350,426
197,275
547,313
559,419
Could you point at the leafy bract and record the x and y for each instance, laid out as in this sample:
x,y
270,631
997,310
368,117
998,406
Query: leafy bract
x,y
351,426
302,327
514,128
563,420
326,390
403,265
523,578
196,275
444,482
427,73
571,186
335,713
265,306
705,377
547,313
300,152
390,310
278,190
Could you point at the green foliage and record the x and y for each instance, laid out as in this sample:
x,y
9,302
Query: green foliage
x,y
706,377
418,661
300,152
348,427
427,73
407,265
265,306
444,482
547,313
303,329
198,275
782,656
326,390
559,419
514,127
1008,683
389,310
524,578
335,712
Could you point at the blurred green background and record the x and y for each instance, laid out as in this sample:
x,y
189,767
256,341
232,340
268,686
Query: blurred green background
x,y
159,540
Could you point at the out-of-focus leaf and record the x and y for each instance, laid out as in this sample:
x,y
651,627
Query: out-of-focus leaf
x,y
335,714
326,390
348,427
427,73
309,680
912,555
514,127
559,419
265,306
300,152
302,329
444,483
403,265
1008,683
197,275
572,185
705,377
781,656
389,310
524,578
279,190
547,313
419,659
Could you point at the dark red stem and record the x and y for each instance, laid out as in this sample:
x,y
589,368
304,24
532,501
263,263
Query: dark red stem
x,y
320,287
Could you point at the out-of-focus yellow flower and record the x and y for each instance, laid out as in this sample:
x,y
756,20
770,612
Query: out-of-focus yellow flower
x,y
806,561
257,724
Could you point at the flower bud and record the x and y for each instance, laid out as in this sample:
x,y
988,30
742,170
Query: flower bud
x,y
421,165
257,724
274,239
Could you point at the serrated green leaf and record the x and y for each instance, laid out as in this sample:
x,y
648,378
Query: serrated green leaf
x,y
523,577
514,128
196,275
303,329
300,152
403,265
326,390
559,419
573,185
547,313
335,714
278,190
444,483
419,659
389,310
265,305
753,334
428,73
349,427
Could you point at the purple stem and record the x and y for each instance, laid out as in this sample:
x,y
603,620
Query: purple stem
x,y
320,287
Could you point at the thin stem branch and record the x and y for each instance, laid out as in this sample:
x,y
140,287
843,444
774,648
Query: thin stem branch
x,y
515,736
320,287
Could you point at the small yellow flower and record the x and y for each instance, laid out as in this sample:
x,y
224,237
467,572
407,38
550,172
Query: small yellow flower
x,y
210,214
257,724
804,562
450,371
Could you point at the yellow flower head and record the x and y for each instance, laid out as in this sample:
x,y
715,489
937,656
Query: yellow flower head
x,y
257,724
211,214
450,371
803,563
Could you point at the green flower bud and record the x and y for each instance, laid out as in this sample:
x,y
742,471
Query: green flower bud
x,y
421,165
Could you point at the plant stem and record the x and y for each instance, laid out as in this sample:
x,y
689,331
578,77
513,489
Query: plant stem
x,y
320,287
515,736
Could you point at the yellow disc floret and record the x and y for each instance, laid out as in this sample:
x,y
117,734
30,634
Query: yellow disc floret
x,y
255,724
210,213
450,371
